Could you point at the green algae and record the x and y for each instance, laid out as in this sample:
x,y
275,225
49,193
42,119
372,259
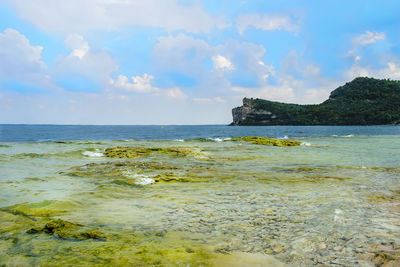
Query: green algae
x,y
128,172
388,197
265,141
304,179
25,244
63,154
67,230
122,172
169,177
43,208
138,152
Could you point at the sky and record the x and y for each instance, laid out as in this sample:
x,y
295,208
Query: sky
x,y
184,61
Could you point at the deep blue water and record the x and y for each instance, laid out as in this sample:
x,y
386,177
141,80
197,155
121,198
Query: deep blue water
x,y
35,133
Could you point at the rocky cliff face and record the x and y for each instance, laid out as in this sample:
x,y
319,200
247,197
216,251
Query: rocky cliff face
x,y
248,112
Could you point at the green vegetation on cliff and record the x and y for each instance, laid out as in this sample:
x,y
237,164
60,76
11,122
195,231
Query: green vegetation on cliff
x,y
363,101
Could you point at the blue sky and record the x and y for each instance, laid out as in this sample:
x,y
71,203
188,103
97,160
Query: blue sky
x,y
184,61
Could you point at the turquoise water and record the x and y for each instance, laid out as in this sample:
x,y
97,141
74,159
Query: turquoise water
x,y
332,200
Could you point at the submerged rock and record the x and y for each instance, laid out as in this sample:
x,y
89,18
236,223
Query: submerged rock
x,y
265,141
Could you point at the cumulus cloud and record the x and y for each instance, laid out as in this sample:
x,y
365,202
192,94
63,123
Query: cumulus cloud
x,y
369,38
283,92
390,71
181,53
139,83
83,62
176,93
361,42
19,60
266,22
221,63
247,58
142,84
191,56
78,44
83,15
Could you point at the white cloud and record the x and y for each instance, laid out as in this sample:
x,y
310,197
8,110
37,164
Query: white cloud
x,y
19,60
139,83
361,42
247,57
266,22
217,99
83,62
295,65
283,92
79,45
369,38
142,84
83,15
221,63
190,56
390,71
316,96
175,93
181,53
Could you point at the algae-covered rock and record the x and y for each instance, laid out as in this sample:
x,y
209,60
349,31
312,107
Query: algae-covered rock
x,y
137,152
67,230
42,208
171,177
119,169
265,141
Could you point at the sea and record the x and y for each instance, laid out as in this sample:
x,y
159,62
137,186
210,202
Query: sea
x,y
191,196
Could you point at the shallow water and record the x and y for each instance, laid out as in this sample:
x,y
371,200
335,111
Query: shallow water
x,y
332,200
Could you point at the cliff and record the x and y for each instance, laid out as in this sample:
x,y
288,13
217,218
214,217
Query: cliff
x,y
363,101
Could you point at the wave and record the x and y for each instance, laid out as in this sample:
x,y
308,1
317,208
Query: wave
x,y
140,179
346,136
93,153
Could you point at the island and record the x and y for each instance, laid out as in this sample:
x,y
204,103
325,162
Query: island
x,y
363,101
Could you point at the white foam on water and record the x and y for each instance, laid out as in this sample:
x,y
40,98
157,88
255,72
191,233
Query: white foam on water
x,y
217,139
337,216
305,144
179,140
145,181
350,135
285,137
141,179
92,154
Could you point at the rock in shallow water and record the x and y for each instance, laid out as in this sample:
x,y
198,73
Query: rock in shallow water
x,y
265,141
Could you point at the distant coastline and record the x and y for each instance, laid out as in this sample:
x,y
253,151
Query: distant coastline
x,y
363,101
